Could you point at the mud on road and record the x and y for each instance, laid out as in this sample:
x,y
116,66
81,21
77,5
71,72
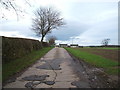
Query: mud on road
x,y
58,69
96,77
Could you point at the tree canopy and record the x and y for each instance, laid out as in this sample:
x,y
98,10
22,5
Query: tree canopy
x,y
46,19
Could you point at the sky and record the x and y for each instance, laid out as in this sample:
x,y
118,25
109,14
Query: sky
x,y
88,22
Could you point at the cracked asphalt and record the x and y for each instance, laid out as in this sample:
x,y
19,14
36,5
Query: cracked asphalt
x,y
54,70
57,69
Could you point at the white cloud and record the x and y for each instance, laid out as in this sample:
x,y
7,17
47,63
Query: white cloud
x,y
88,22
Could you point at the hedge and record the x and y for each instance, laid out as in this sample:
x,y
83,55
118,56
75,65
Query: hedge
x,y
14,48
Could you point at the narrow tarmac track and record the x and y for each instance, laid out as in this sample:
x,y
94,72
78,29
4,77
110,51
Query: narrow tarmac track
x,y
57,69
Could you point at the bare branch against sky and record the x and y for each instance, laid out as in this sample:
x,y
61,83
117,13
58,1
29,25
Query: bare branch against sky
x,y
46,19
14,6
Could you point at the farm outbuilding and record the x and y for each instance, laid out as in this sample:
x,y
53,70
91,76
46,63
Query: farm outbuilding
x,y
63,45
74,45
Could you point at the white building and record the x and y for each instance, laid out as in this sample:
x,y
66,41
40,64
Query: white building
x,y
63,45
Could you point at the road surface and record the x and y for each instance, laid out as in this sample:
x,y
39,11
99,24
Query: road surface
x,y
57,69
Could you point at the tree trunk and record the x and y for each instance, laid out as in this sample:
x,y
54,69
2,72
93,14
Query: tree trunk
x,y
42,41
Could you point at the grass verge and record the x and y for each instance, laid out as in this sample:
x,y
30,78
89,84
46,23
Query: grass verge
x,y
18,65
96,60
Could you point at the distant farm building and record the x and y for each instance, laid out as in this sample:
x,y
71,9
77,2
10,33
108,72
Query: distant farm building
x,y
63,45
74,45
80,46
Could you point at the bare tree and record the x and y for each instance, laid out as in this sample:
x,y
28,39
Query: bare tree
x,y
105,42
51,40
46,19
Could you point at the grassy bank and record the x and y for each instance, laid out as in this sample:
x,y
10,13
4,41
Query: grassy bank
x,y
19,64
96,60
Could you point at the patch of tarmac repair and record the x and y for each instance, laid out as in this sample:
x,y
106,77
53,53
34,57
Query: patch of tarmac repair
x,y
53,65
49,82
35,78
33,84
29,85
80,84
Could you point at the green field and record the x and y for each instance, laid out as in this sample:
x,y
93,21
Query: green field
x,y
96,60
18,65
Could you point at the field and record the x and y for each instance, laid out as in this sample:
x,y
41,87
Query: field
x,y
109,53
18,65
103,58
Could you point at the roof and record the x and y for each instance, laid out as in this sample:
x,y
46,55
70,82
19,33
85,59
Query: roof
x,y
62,44
73,44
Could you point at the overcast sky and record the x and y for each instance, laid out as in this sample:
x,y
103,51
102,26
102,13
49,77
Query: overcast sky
x,y
87,23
